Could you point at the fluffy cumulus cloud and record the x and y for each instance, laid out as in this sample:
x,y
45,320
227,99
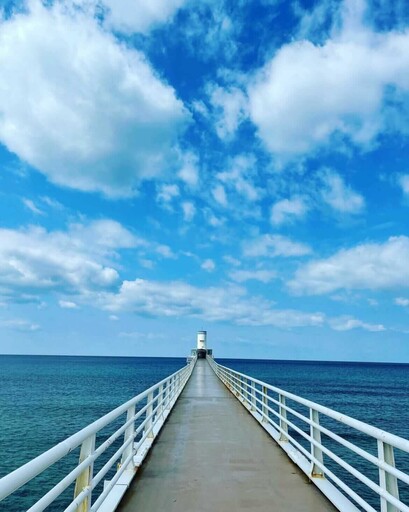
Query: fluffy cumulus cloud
x,y
179,299
347,323
95,117
374,266
307,92
270,246
138,15
79,260
288,210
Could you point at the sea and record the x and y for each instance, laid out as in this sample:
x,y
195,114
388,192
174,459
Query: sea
x,y
44,399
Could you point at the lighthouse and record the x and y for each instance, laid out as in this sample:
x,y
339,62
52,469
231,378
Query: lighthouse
x,y
201,344
201,350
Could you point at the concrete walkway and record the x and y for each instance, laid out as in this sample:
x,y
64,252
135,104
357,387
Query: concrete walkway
x,y
212,456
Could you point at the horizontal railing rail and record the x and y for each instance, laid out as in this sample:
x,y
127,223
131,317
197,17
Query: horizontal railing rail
x,y
277,412
145,415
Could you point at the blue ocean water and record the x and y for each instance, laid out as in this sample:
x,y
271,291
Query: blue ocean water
x,y
44,399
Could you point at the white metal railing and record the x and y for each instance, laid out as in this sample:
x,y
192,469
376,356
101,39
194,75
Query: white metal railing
x,y
274,408
145,415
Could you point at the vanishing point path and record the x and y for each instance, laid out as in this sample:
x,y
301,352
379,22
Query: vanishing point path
x,y
214,457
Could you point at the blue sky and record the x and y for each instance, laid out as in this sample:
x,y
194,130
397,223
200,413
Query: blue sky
x,y
175,165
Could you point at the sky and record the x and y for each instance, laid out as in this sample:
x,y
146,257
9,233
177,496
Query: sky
x,y
239,166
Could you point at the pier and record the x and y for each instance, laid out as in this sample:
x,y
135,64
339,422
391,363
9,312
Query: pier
x,y
212,455
210,438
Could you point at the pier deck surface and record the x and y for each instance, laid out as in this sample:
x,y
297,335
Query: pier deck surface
x,y
212,456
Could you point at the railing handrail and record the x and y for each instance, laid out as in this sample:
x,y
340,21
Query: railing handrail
x,y
271,412
392,439
20,476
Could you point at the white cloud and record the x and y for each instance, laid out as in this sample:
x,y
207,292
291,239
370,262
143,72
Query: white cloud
x,y
142,335
52,203
232,261
209,31
113,318
287,210
102,235
265,276
179,299
274,245
18,324
307,93
403,181
28,203
189,172
373,266
189,211
340,196
96,117
165,251
208,265
240,177
33,260
67,304
146,263
220,195
314,19
212,219
130,16
230,105
347,323
167,193
199,107
402,301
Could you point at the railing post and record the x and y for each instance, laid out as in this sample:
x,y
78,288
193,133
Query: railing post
x,y
172,389
229,381
264,410
238,392
129,433
283,419
248,394
316,452
253,396
161,403
386,480
85,478
149,410
168,393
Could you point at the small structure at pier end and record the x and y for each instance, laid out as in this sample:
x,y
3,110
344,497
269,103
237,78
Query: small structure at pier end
x,y
201,351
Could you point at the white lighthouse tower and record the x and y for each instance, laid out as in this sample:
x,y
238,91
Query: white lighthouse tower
x,y
201,340
201,350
